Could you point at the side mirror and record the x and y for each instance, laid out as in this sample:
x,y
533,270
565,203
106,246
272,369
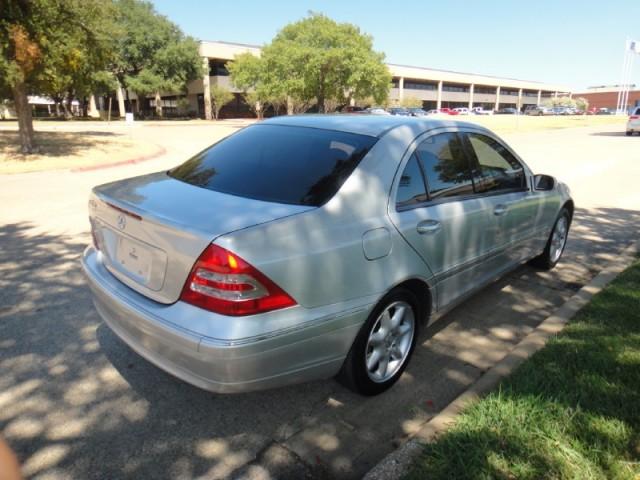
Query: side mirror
x,y
543,182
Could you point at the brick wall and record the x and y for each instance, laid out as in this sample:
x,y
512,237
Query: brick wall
x,y
608,99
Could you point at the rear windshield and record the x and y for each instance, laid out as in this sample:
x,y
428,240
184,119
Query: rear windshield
x,y
274,163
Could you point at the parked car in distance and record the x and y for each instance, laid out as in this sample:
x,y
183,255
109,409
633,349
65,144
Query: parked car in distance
x,y
538,110
417,112
461,110
481,111
399,111
604,111
352,109
633,123
377,111
304,247
448,111
432,112
508,111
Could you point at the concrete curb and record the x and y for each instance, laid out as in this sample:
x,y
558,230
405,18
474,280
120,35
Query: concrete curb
x,y
397,464
142,158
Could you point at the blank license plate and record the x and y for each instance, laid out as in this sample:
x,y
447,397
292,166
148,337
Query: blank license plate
x,y
134,258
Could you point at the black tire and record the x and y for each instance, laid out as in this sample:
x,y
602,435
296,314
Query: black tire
x,y
546,260
629,134
354,373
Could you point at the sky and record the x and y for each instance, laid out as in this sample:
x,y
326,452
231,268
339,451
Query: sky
x,y
578,43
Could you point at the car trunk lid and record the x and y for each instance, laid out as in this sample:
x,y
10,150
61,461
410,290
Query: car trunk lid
x,y
151,229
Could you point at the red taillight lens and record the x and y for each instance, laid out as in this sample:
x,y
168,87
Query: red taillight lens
x,y
634,117
224,283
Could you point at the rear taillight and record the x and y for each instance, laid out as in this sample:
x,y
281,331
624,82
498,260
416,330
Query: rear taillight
x,y
634,117
222,282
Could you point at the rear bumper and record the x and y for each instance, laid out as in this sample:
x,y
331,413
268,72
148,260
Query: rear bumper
x,y
633,126
316,349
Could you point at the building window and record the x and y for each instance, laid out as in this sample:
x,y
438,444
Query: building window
x,y
449,87
484,90
419,85
395,83
218,68
508,91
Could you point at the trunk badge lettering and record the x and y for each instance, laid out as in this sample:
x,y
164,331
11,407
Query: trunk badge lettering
x,y
122,222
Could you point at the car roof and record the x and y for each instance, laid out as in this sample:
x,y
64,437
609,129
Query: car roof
x,y
373,125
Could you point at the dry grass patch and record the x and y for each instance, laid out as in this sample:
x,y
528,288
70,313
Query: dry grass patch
x,y
525,123
67,150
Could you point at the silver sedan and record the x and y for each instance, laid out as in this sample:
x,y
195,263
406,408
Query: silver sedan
x,y
308,247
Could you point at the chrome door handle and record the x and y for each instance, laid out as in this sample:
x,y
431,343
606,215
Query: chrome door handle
x,y
500,209
428,226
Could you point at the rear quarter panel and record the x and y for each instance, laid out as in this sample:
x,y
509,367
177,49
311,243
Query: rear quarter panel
x,y
318,256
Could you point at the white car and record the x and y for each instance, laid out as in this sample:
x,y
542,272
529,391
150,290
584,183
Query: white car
x,y
633,124
481,111
461,110
378,111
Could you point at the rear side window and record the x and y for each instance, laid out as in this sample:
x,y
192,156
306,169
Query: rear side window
x,y
274,163
498,169
445,166
411,190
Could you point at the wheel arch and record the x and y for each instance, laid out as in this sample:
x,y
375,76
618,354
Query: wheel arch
x,y
423,292
570,206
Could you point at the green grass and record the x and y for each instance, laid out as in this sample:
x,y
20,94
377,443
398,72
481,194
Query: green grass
x,y
572,411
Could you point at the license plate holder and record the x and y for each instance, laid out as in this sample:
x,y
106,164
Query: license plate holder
x,y
134,258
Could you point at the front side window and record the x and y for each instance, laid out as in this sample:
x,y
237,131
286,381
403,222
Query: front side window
x,y
445,166
498,169
276,163
411,190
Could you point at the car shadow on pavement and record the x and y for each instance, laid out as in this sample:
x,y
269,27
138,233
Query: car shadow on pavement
x,y
76,402
621,133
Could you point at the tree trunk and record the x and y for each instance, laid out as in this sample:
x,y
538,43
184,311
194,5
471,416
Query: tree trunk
x,y
289,105
57,108
121,109
85,107
321,103
68,113
158,105
25,119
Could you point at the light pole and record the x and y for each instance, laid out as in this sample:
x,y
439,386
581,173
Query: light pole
x,y
631,49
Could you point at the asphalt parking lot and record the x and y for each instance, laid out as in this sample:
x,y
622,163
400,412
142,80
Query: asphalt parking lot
x,y
75,402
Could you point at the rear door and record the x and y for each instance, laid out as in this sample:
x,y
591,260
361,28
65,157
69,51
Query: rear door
x,y
435,208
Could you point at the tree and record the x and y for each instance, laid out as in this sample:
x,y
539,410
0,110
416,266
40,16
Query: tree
x,y
582,104
559,102
220,96
48,45
154,55
411,102
316,59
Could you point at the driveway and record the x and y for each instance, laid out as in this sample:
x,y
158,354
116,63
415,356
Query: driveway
x,y
75,402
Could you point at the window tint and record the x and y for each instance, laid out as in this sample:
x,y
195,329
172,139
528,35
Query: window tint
x,y
274,163
411,187
498,168
445,166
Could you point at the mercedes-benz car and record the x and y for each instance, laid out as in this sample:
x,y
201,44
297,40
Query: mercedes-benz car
x,y
308,247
